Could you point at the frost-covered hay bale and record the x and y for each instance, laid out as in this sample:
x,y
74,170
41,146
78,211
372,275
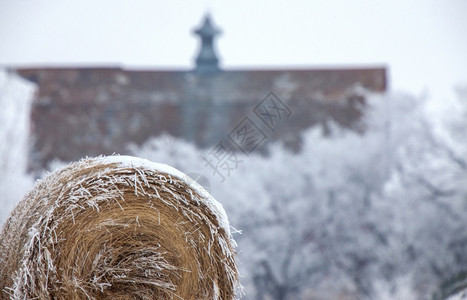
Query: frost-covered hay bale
x,y
117,228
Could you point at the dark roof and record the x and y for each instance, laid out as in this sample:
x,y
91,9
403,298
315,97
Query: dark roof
x,y
225,86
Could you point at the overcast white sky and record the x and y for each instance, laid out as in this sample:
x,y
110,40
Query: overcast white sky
x,y
423,42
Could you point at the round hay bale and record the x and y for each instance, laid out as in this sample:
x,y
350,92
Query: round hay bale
x,y
117,227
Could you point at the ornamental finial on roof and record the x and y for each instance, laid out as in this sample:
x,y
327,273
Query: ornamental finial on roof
x,y
207,60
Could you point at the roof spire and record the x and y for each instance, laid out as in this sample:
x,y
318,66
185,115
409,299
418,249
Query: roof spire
x,y
207,60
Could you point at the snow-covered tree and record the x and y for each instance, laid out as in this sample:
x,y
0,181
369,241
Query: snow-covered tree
x,y
15,103
376,215
433,172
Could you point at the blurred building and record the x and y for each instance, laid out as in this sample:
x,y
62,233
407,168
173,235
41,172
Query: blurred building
x,y
95,110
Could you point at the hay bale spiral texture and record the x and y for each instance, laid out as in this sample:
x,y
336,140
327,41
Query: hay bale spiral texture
x,y
117,228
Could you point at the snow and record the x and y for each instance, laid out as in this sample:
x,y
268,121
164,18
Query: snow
x,y
462,295
211,203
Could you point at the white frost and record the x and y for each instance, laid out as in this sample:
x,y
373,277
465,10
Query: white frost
x,y
462,295
207,199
